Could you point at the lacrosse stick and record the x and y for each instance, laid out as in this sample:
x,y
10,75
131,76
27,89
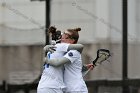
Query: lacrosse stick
x,y
102,56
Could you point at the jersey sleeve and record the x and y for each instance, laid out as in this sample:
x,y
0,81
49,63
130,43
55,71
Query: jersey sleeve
x,y
72,55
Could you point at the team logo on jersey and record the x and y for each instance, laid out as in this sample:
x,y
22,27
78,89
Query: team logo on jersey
x,y
70,54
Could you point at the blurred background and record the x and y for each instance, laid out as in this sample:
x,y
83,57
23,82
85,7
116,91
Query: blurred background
x,y
109,24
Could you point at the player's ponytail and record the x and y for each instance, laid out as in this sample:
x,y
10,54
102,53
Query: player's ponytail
x,y
75,29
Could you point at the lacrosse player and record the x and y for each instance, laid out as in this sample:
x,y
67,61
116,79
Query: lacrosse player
x,y
52,77
72,62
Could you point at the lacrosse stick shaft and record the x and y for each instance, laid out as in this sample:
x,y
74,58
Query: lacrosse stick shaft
x,y
87,71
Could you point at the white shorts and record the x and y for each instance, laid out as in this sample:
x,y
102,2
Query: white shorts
x,y
49,90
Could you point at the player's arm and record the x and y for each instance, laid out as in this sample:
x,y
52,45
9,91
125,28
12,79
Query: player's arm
x,y
69,57
57,61
66,47
78,47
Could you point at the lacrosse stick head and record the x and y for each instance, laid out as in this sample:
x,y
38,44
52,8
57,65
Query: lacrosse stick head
x,y
102,55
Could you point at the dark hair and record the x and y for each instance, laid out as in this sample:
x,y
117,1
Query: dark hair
x,y
74,33
56,34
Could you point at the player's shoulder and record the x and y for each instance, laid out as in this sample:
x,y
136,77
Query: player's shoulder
x,y
73,52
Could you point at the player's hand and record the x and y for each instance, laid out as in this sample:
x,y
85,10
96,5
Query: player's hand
x,y
90,66
49,48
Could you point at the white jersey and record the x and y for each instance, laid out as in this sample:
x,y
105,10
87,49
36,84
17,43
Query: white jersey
x,y
73,73
52,77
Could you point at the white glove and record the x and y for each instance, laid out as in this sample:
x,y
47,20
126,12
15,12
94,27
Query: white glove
x,y
53,42
49,48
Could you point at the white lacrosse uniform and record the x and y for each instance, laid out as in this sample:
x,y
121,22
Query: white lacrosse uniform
x,y
52,77
73,73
